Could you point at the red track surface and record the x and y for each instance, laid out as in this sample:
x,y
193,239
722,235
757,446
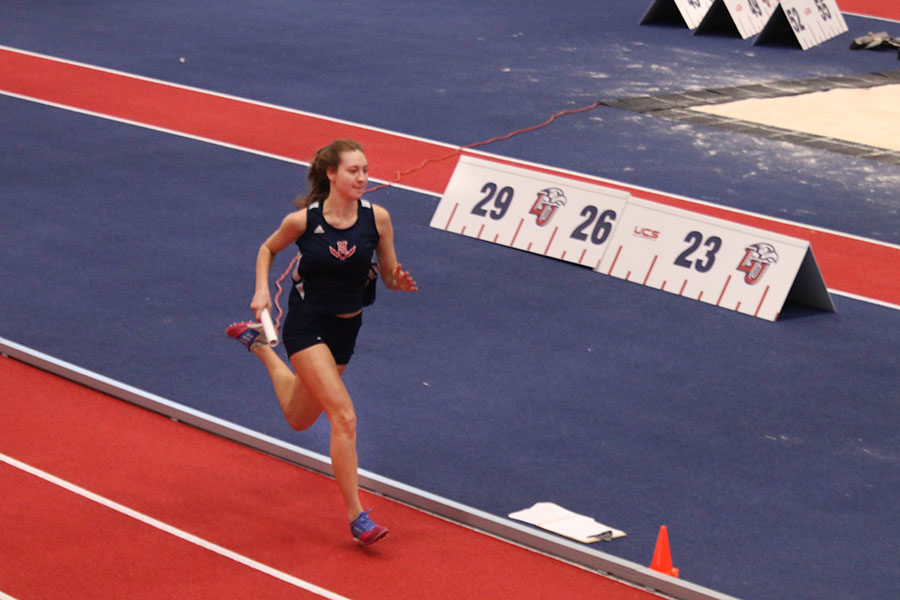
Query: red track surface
x,y
295,135
886,9
57,544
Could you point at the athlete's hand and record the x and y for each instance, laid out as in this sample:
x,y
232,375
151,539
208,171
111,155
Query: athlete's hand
x,y
261,300
404,281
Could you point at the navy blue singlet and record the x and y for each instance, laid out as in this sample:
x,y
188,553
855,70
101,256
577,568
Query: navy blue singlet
x,y
334,264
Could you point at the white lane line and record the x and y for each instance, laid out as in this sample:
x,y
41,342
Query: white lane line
x,y
193,539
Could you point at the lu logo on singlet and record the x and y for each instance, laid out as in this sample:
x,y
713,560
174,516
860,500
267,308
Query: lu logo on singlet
x,y
342,252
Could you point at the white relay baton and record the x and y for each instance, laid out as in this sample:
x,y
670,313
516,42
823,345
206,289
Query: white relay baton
x,y
268,328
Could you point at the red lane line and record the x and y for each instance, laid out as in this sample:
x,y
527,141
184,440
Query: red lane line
x,y
851,265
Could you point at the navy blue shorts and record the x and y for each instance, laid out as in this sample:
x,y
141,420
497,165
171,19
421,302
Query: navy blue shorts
x,y
305,328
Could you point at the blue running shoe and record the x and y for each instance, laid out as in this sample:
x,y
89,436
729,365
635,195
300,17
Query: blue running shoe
x,y
365,531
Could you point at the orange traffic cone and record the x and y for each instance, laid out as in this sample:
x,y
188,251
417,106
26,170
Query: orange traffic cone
x,y
662,557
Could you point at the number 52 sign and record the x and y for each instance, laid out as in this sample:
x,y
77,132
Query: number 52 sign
x,y
810,22
711,260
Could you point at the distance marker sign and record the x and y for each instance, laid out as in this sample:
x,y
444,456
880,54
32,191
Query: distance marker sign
x,y
808,23
747,17
727,264
732,266
532,211
690,12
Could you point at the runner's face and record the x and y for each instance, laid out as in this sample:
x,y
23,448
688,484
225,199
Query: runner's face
x,y
350,178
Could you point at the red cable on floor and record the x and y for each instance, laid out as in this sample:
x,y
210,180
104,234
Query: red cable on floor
x,y
401,174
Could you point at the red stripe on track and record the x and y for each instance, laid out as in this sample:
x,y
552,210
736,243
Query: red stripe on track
x,y
886,9
260,507
850,265
254,126
57,544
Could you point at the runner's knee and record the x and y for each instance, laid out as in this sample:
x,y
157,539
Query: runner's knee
x,y
343,422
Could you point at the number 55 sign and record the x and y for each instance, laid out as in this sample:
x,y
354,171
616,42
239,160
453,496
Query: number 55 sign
x,y
808,22
714,261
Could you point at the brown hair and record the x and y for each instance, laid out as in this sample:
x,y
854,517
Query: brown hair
x,y
328,157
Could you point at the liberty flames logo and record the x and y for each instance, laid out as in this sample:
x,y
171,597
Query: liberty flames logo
x,y
547,202
342,252
757,258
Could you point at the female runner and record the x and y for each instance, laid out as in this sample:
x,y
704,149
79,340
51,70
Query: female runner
x,y
338,234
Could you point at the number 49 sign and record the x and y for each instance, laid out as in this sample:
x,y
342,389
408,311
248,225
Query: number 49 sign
x,y
691,12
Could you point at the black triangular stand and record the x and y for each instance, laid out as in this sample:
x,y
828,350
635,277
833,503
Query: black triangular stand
x,y
717,20
663,12
778,31
809,287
